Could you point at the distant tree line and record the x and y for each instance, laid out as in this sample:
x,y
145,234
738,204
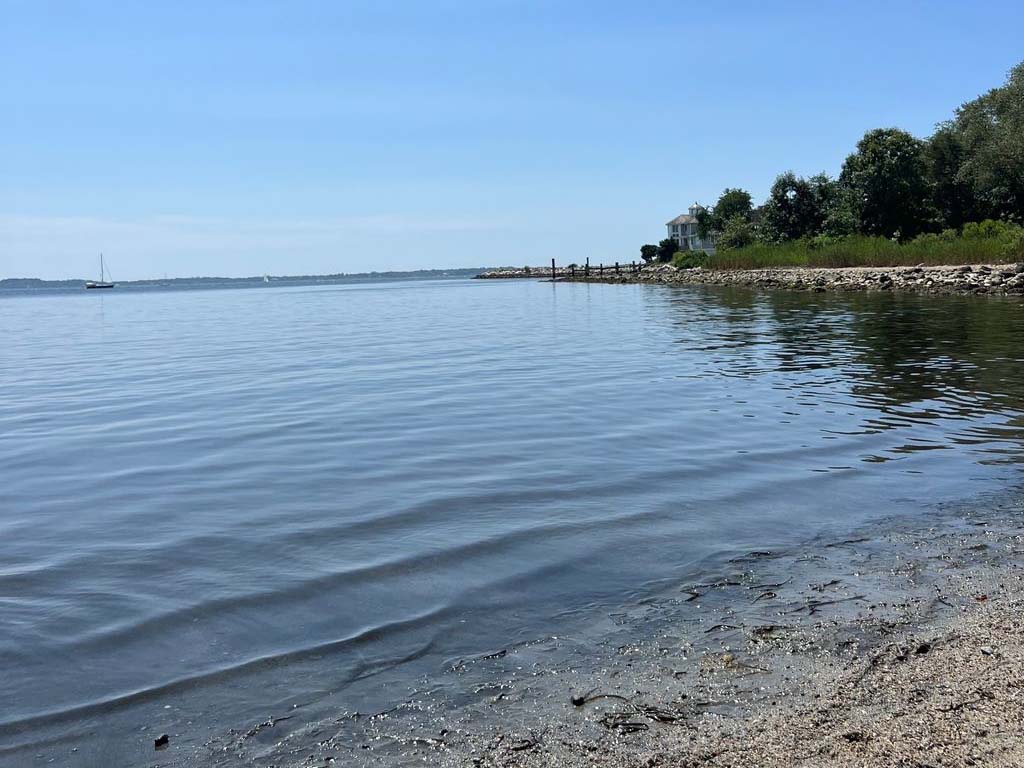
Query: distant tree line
x,y
893,186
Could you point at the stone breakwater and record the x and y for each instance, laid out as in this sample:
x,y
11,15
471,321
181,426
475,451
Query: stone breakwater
x,y
996,279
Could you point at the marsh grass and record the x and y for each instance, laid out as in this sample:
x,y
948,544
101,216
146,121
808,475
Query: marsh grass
x,y
859,251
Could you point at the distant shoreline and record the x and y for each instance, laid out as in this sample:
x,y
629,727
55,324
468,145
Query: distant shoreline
x,y
23,283
997,279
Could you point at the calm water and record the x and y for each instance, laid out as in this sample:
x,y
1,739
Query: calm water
x,y
215,504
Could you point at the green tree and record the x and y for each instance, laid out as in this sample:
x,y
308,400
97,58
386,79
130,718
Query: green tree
x,y
952,196
732,203
736,233
666,249
841,217
890,191
648,252
991,132
797,207
705,223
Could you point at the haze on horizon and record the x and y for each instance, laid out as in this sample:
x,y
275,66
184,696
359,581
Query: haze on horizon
x,y
315,137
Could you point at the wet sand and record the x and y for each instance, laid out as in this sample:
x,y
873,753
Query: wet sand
x,y
898,645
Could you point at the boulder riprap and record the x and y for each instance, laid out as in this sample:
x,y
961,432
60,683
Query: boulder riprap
x,y
956,279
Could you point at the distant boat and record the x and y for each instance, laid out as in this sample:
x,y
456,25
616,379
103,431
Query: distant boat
x,y
266,278
103,278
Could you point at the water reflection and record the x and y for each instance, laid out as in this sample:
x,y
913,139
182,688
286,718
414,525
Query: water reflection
x,y
891,362
210,496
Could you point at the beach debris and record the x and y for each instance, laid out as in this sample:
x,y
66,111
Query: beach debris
x,y
981,598
766,595
771,586
766,630
717,627
813,605
821,587
987,650
270,723
523,744
589,696
922,649
628,718
982,696
623,722
847,542
161,741
754,555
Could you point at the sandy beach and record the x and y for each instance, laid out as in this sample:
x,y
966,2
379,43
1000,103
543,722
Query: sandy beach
x,y
898,645
930,676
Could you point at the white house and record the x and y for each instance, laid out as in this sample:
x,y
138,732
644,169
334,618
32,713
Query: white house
x,y
683,229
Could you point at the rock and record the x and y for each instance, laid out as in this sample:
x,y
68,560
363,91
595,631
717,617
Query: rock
x,y
161,741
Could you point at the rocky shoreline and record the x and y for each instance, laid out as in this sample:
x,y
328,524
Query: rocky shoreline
x,y
978,279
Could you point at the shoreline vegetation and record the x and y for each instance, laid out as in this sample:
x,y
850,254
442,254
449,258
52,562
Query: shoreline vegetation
x,y
955,197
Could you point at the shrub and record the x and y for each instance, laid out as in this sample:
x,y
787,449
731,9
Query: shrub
x,y
690,259
986,242
988,229
737,233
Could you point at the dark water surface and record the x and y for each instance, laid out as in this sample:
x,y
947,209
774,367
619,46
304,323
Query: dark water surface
x,y
219,504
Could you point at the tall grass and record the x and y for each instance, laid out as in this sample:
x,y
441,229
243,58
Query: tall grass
x,y
860,251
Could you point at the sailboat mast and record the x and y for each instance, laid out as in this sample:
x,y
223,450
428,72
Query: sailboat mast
x,y
101,268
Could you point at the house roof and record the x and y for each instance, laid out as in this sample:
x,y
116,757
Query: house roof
x,y
683,218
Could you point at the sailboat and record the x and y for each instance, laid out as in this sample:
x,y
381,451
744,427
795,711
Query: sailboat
x,y
103,278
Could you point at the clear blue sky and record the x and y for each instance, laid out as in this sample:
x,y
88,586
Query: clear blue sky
x,y
239,138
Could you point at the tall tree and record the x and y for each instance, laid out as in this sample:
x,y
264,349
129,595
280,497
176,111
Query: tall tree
x,y
666,249
732,203
648,252
952,196
991,130
797,207
886,176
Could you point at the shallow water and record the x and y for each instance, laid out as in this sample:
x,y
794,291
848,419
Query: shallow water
x,y
219,504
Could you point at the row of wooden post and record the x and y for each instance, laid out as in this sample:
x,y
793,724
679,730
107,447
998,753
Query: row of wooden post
x,y
633,267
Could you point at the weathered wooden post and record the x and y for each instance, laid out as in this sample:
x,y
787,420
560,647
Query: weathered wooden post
x,y
600,270
572,271
617,268
552,270
586,269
